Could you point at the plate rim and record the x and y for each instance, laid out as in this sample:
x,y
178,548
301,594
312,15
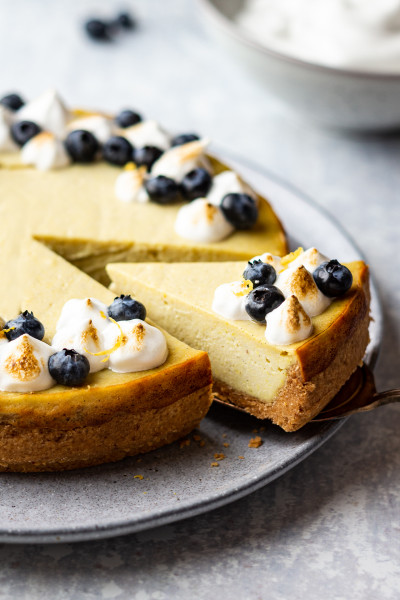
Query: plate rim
x,y
190,508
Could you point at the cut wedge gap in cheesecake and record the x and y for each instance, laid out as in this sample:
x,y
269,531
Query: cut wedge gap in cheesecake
x,y
288,384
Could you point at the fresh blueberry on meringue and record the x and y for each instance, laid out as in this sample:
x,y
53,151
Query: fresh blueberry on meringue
x,y
162,190
68,367
184,138
259,273
146,156
118,151
196,184
12,101
26,322
82,146
240,210
126,118
125,308
23,131
333,279
262,300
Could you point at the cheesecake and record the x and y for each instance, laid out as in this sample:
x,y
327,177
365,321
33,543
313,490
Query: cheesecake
x,y
286,371
93,204
112,414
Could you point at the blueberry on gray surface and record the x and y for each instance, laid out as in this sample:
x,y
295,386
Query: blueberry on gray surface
x,y
127,118
240,210
82,146
68,367
118,151
333,279
260,273
98,30
125,308
23,131
262,300
162,190
196,184
125,21
12,102
184,138
26,322
146,156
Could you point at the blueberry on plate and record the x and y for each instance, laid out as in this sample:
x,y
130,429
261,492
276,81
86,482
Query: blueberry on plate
x,y
184,138
12,102
262,300
117,150
82,146
333,279
26,322
98,30
240,210
127,117
125,308
196,184
146,156
68,367
260,273
23,131
162,190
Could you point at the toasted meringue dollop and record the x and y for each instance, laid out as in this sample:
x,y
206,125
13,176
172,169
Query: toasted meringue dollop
x,y
84,337
310,259
101,126
129,185
23,365
288,324
229,300
146,133
137,345
180,160
200,221
75,310
7,144
227,182
45,152
299,282
48,111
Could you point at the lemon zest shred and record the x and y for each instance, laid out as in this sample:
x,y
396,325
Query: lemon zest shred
x,y
246,288
130,166
7,330
109,351
285,260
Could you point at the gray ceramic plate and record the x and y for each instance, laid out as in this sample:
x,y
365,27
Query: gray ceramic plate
x,y
178,481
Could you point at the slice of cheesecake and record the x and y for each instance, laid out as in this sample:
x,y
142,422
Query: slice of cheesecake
x,y
288,384
112,415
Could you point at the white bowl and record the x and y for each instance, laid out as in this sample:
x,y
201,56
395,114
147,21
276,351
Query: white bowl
x,y
331,97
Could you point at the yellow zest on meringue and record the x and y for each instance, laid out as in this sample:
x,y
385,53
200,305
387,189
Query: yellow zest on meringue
x,y
246,287
286,260
104,316
109,351
130,166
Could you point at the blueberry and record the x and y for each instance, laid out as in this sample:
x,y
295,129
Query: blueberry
x,y
126,118
196,184
260,273
26,322
23,131
146,156
262,300
240,210
68,367
12,101
162,190
125,308
117,150
82,146
333,279
98,30
184,138
125,21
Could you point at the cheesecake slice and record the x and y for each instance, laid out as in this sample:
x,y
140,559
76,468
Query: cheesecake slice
x,y
288,384
112,415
